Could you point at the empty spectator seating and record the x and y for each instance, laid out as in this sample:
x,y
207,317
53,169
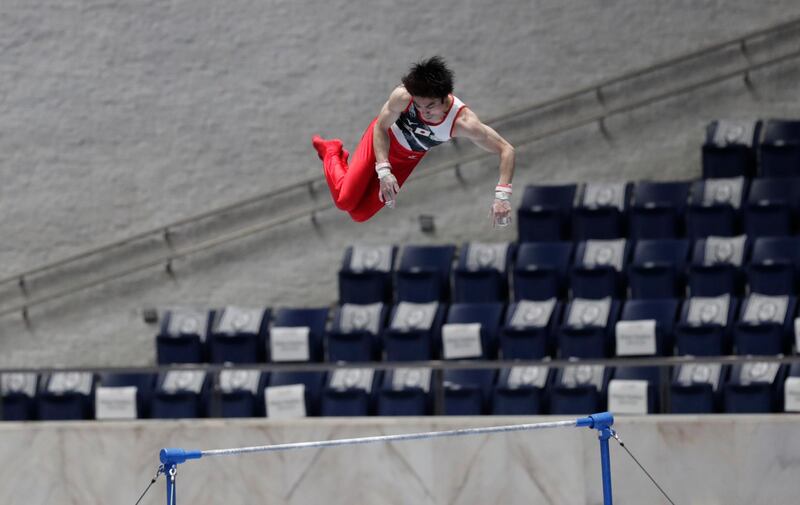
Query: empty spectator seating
x,y
657,209
579,390
292,394
238,335
705,325
634,390
424,273
586,328
66,396
729,149
471,331
350,392
182,336
791,389
599,269
356,331
717,266
297,334
241,393
468,392
601,211
772,207
774,266
765,326
658,268
18,396
414,331
529,331
366,274
715,207
406,392
541,270
181,394
124,395
754,387
696,388
521,390
545,213
645,328
482,272
779,149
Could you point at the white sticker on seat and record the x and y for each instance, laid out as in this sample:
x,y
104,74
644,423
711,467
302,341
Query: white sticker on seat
x,y
636,338
239,380
352,378
289,343
19,383
627,396
407,378
70,382
527,376
791,394
462,341
115,402
285,402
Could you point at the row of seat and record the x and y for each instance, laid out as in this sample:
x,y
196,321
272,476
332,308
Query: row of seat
x,y
748,148
520,390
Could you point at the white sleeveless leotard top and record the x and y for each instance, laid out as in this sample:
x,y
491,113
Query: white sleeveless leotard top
x,y
416,134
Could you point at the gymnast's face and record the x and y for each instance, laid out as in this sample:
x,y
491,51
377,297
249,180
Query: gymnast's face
x,y
431,109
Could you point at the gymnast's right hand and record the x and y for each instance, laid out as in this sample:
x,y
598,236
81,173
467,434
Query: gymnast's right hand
x,y
388,184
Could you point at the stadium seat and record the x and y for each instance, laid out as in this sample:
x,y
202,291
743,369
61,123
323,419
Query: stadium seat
x,y
424,273
241,393
766,325
541,270
779,149
600,212
545,213
18,396
579,390
181,394
468,392
238,335
356,332
717,266
772,207
366,274
704,327
790,392
753,388
471,331
66,396
586,329
696,388
414,332
481,275
297,334
658,268
406,392
634,390
350,392
291,394
529,329
182,336
521,391
645,328
599,269
657,209
730,149
715,207
124,395
774,266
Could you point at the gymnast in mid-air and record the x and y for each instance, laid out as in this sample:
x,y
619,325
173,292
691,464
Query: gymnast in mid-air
x,y
420,114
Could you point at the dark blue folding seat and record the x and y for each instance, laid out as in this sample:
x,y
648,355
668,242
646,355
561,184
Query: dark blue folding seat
x,y
779,149
241,393
406,392
545,213
468,392
790,392
366,274
601,211
471,331
729,149
294,394
124,395
772,207
658,268
238,335
657,209
424,273
586,328
521,390
182,336
599,269
414,332
695,388
634,390
715,207
645,327
482,272
704,327
66,396
541,270
181,394
351,392
579,390
529,331
356,331
717,266
18,396
297,334
766,325
774,266
754,388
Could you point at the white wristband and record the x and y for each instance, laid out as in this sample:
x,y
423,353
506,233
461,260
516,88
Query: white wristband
x,y
383,169
502,192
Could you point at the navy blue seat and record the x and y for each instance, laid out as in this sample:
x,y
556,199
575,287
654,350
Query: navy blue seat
x,y
312,384
790,390
696,388
579,390
521,391
356,332
601,211
599,269
772,207
729,149
181,394
241,393
141,385
635,390
658,268
366,274
586,328
774,265
19,396
529,331
471,331
468,392
717,266
424,273
541,270
715,207
754,388
182,336
406,392
646,327
482,272
705,325
238,335
350,392
765,326
779,150
414,332
657,209
66,396
311,321
545,213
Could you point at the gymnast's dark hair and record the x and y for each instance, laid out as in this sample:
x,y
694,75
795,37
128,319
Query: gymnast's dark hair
x,y
429,78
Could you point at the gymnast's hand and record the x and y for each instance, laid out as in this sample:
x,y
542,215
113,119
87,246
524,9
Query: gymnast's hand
x,y
388,184
501,208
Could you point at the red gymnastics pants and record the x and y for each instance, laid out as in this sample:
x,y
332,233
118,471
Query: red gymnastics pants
x,y
354,186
